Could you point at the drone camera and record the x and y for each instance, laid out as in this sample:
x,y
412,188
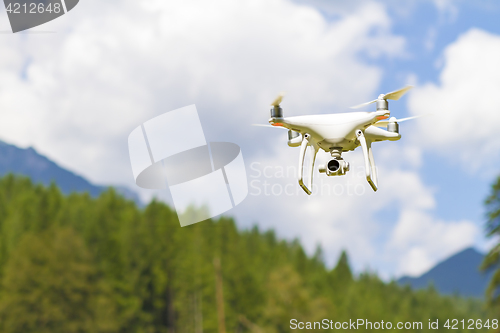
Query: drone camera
x,y
335,167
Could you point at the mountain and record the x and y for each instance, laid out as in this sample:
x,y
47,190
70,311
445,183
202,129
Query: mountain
x,y
458,274
28,162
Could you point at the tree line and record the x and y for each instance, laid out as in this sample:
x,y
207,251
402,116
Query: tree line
x,y
81,264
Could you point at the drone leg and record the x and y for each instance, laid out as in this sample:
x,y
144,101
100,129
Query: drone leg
x,y
368,161
372,163
313,159
303,147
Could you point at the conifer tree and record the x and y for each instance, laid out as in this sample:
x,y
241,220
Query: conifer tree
x,y
50,286
492,260
342,272
81,264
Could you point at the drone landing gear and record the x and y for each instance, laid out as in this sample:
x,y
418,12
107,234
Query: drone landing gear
x,y
303,148
370,170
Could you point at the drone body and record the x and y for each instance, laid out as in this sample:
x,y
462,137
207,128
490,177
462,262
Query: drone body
x,y
338,133
335,130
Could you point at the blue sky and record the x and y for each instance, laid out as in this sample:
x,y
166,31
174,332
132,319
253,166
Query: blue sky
x,y
428,31
76,93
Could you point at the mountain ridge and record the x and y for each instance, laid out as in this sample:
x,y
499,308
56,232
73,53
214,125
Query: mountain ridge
x,y
458,274
28,162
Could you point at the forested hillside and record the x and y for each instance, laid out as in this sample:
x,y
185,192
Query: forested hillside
x,y
78,264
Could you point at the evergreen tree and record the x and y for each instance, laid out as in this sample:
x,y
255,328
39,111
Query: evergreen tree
x,y
492,260
51,286
78,264
342,272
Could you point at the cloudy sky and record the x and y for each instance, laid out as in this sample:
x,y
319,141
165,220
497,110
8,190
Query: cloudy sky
x,y
76,87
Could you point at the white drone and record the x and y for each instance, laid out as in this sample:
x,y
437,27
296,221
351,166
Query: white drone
x,y
338,133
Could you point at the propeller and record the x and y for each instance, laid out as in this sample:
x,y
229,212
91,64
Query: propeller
x,y
278,99
395,95
266,125
384,123
276,110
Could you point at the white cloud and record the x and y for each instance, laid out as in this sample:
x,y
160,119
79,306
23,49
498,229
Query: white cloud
x,y
110,67
421,240
418,239
76,94
338,215
464,104
344,212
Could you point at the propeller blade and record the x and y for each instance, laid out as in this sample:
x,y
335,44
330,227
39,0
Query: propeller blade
x,y
395,95
364,104
409,118
278,99
384,123
266,125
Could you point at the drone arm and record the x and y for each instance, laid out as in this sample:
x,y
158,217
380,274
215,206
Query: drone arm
x,y
369,162
303,147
